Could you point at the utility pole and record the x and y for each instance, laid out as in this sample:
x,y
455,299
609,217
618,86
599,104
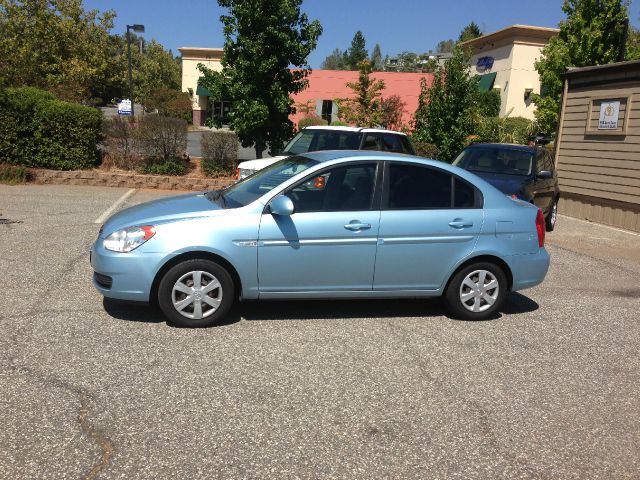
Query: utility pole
x,y
136,28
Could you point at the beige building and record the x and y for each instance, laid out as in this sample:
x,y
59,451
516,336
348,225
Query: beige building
x,y
598,144
210,58
505,61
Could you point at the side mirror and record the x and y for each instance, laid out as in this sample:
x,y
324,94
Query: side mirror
x,y
545,174
281,205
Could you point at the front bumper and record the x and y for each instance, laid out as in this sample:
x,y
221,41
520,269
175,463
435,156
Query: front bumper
x,y
131,274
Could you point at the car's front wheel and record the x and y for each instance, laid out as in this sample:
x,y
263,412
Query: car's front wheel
x,y
476,291
196,293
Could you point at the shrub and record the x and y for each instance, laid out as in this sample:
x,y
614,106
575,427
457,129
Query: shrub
x,y
119,144
169,103
13,174
166,167
36,130
424,149
161,138
489,103
311,121
505,130
219,153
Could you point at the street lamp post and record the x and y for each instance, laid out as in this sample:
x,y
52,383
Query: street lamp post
x,y
136,28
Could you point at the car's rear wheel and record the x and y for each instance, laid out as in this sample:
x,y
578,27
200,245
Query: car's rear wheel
x,y
550,221
196,293
476,291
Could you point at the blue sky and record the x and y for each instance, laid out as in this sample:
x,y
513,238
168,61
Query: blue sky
x,y
397,25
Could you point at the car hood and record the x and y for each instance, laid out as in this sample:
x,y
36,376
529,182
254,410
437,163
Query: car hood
x,y
260,163
508,184
162,210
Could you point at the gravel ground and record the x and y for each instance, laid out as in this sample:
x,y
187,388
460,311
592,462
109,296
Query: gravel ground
x,y
371,389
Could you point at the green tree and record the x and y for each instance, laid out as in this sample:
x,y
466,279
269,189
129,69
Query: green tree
x,y
447,108
470,32
357,52
365,109
591,35
56,45
334,61
263,39
376,59
445,46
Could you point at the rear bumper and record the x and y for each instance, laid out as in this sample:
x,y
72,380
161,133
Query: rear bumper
x,y
528,270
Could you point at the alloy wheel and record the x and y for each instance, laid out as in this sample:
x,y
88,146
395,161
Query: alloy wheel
x,y
479,290
196,295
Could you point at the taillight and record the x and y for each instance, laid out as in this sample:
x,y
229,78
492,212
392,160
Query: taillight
x,y
540,228
237,174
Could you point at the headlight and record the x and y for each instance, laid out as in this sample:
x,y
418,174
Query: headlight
x,y
128,239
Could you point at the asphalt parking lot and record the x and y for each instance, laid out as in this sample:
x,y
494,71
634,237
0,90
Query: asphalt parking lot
x,y
368,389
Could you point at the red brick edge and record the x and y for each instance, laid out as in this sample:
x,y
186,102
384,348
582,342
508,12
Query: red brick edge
x,y
107,179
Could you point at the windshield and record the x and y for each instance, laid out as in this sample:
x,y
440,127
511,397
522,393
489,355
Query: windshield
x,y
504,161
312,140
251,188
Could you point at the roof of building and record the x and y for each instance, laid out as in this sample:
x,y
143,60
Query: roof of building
x,y
622,66
541,33
200,52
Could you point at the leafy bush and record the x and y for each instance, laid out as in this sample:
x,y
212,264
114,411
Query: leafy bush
x,y
166,167
338,123
119,142
36,130
489,103
219,153
424,149
311,121
161,138
13,174
169,103
505,130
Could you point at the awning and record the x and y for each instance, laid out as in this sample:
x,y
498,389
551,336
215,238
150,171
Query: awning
x,y
485,83
204,92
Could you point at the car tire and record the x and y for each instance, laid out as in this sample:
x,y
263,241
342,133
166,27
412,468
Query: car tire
x,y
552,217
467,303
185,303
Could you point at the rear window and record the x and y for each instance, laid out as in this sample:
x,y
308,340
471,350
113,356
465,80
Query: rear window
x,y
315,140
505,161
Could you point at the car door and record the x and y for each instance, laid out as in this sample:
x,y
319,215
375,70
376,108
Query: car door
x,y
429,220
329,242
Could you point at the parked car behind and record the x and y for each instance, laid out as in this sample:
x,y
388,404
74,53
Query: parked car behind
x,y
325,225
523,172
312,139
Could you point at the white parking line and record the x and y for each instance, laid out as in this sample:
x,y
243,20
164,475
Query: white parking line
x,y
113,207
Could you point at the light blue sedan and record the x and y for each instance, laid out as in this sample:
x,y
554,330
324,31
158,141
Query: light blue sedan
x,y
325,225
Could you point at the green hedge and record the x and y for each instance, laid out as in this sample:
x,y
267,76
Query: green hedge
x,y
37,130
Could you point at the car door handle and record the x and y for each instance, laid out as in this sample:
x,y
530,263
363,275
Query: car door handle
x,y
354,226
460,224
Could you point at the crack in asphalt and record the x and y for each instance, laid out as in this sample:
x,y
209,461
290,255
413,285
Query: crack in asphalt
x,y
96,435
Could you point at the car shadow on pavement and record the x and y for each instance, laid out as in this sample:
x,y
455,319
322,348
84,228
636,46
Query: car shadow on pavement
x,y
515,303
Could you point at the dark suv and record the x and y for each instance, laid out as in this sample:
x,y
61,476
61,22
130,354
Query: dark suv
x,y
527,173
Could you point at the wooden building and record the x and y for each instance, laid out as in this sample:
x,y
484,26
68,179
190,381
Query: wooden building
x,y
598,144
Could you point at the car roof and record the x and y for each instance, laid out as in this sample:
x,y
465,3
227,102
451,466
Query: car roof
x,y
505,146
352,129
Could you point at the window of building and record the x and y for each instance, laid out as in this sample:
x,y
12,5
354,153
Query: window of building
x,y
327,110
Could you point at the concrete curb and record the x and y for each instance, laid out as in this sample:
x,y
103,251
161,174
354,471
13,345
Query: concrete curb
x,y
126,180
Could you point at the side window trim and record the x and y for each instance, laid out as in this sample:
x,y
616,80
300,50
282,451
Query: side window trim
x,y
377,185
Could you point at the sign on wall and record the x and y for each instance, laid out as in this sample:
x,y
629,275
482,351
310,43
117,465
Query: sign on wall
x,y
484,63
124,107
609,115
